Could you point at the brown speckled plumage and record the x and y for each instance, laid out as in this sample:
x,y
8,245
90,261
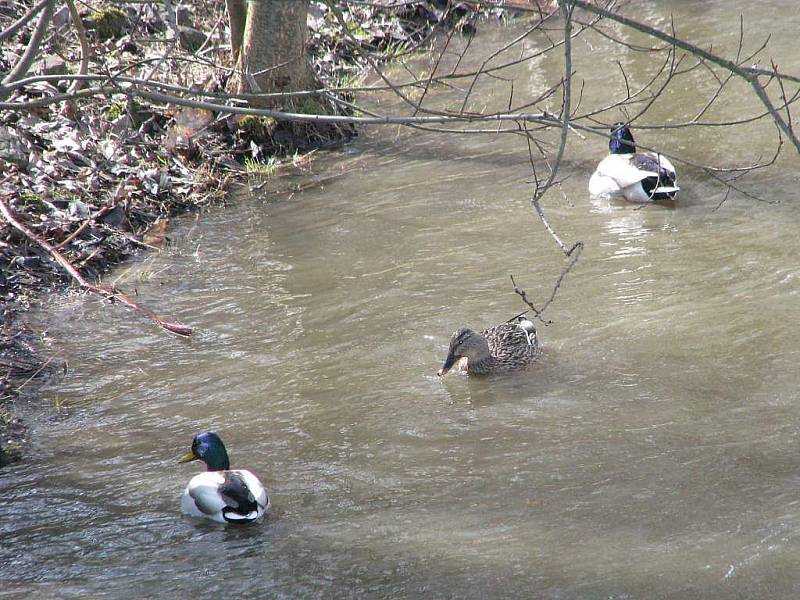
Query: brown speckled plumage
x,y
506,347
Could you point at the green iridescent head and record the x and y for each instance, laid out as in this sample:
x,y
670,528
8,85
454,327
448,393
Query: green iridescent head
x,y
208,447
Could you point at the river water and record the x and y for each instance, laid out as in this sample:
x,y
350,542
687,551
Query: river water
x,y
652,452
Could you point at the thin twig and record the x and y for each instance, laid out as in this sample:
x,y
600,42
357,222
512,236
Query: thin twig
x,y
8,32
574,256
98,214
749,74
36,372
32,49
85,49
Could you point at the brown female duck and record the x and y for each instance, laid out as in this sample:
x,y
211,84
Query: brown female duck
x,y
506,347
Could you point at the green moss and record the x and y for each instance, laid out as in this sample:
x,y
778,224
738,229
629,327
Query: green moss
x,y
108,23
10,453
256,127
120,107
115,110
309,106
33,202
251,121
357,31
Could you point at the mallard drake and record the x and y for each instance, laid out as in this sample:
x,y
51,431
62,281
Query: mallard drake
x,y
635,176
506,347
221,494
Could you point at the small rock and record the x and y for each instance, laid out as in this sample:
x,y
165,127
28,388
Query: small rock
x,y
128,45
152,18
183,15
191,39
11,149
78,209
58,204
61,17
52,65
27,262
115,218
121,125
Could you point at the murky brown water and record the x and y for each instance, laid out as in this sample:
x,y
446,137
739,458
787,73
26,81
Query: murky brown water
x,y
651,453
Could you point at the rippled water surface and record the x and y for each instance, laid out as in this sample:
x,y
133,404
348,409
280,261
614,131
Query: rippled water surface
x,y
651,453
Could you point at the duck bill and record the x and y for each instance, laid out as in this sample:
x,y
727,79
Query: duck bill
x,y
188,457
448,364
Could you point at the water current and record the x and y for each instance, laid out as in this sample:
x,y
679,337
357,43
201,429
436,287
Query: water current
x,y
652,452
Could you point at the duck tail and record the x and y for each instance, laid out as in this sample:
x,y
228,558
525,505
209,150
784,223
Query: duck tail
x,y
666,189
664,192
517,318
526,325
524,322
667,183
232,516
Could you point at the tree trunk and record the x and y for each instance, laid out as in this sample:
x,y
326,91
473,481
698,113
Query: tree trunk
x,y
237,14
272,55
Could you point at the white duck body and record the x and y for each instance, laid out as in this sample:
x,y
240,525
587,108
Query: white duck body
x,y
233,496
635,176
221,494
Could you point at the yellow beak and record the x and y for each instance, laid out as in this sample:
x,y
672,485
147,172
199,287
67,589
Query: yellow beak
x,y
188,457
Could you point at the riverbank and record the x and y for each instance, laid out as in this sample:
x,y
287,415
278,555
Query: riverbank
x,y
88,182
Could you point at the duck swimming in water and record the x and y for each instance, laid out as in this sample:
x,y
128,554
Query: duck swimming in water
x,y
221,494
506,347
635,176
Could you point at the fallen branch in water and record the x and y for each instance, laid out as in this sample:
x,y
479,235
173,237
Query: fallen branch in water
x,y
108,293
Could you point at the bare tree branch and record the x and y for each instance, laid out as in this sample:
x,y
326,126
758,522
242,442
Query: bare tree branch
x,y
85,51
10,31
27,58
749,74
539,312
